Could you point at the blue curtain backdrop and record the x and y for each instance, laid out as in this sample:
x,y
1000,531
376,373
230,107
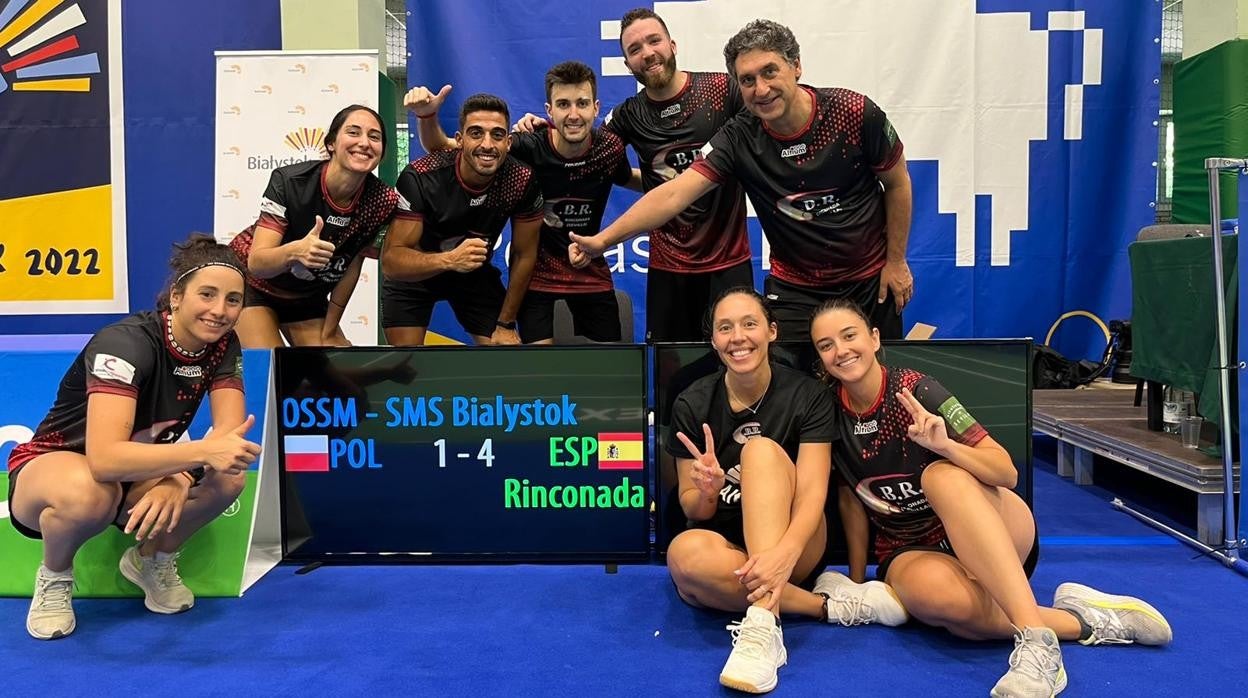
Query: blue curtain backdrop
x,y
1086,198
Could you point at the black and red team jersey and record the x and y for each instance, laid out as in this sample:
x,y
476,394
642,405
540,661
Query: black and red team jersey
x,y
296,195
576,193
431,191
875,457
816,193
137,357
668,137
796,409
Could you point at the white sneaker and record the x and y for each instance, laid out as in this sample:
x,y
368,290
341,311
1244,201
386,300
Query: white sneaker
x,y
757,653
158,577
858,604
1114,620
1036,669
51,612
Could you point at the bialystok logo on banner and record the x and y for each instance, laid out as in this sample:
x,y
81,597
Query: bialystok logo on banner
x,y
306,143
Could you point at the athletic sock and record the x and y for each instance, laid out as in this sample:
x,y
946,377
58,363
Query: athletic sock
x,y
1085,630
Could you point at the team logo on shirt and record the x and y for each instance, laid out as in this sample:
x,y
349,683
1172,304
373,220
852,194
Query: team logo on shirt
x,y
674,159
272,208
112,368
570,213
191,371
162,432
892,494
793,151
340,221
747,431
477,201
809,205
730,493
673,110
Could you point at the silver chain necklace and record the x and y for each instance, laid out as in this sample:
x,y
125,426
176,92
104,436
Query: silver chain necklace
x,y
753,409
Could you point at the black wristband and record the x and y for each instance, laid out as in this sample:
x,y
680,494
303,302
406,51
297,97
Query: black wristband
x,y
506,325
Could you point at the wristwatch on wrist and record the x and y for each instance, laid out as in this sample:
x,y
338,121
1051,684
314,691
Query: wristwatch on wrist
x,y
506,325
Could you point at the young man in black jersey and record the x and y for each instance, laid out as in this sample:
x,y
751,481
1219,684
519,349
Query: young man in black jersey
x,y
576,165
825,172
452,209
702,250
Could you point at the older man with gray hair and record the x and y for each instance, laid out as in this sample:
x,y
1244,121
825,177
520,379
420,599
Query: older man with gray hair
x,y
824,170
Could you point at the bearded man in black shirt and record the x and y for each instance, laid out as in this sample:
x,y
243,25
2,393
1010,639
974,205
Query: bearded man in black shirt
x,y
825,172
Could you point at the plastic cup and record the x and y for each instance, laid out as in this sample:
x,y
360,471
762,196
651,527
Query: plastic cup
x,y
1189,431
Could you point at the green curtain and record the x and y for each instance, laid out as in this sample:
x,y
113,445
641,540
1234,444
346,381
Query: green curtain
x,y
1173,333
1210,120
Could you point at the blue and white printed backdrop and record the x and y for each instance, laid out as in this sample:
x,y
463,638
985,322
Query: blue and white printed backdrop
x,y
1029,126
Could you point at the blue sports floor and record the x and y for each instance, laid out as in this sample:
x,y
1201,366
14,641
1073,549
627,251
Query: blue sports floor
x,y
568,630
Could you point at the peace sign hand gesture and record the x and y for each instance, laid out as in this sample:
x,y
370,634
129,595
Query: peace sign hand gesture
x,y
928,430
707,476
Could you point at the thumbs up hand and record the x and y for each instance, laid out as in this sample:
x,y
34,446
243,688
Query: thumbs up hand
x,y
423,102
230,452
311,251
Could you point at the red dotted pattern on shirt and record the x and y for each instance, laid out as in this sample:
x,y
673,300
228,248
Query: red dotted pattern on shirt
x,y
434,161
507,188
210,361
838,120
705,98
892,419
603,158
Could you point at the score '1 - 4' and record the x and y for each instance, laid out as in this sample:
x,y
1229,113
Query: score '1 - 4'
x,y
485,454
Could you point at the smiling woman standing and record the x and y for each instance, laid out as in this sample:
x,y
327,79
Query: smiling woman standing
x,y
108,450
753,450
318,220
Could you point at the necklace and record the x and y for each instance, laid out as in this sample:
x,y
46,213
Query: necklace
x,y
174,343
752,408
861,428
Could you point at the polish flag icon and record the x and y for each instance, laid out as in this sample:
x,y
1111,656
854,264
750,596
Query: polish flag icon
x,y
306,453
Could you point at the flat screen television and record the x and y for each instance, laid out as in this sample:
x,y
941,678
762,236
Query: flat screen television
x,y
464,453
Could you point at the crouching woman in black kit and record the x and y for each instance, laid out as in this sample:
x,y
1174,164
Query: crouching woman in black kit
x,y
107,452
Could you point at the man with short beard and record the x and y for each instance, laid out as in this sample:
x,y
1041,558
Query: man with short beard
x,y
826,173
703,250
453,205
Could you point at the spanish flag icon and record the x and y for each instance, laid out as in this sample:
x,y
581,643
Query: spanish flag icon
x,y
619,451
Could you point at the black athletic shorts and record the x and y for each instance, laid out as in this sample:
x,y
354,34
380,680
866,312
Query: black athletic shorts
x,y
732,528
288,309
595,316
677,303
793,306
475,297
32,533
942,545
